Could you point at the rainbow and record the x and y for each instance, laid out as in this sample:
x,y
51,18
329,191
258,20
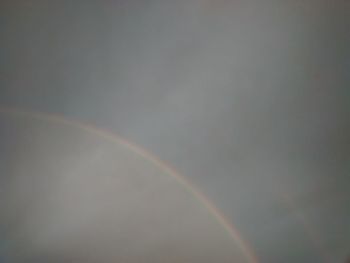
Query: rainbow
x,y
110,136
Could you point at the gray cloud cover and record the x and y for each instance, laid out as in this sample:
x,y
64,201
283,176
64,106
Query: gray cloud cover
x,y
248,99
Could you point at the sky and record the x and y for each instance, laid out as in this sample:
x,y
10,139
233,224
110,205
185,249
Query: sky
x,y
248,100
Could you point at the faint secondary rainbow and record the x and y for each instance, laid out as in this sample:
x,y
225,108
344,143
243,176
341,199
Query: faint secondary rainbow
x,y
230,228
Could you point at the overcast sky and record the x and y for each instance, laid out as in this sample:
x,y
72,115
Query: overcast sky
x,y
249,100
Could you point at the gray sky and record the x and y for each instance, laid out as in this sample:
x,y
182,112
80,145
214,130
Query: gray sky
x,y
247,99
